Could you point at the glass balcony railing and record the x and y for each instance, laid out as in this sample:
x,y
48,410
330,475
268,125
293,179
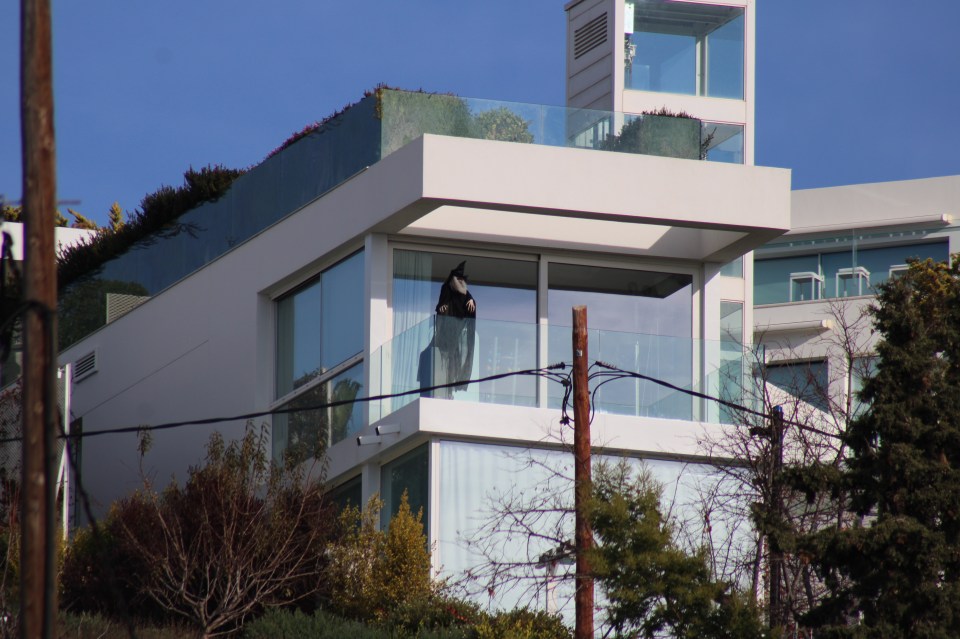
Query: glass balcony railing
x,y
413,360
341,147
848,264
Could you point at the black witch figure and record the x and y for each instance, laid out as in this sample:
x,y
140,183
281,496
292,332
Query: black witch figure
x,y
455,336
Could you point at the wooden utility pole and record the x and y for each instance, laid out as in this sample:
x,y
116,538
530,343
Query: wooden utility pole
x,y
37,573
583,535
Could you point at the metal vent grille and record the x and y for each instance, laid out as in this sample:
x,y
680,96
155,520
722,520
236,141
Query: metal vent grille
x,y
85,366
119,304
590,36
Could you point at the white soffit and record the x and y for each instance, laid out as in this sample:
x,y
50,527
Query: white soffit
x,y
508,227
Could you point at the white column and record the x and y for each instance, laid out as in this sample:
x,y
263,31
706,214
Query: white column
x,y
377,319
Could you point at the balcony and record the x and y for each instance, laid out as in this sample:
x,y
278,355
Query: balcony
x,y
345,145
840,265
411,360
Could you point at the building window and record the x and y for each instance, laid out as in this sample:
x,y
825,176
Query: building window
x,y
409,473
349,493
843,272
319,350
807,382
733,269
309,430
320,324
505,340
639,321
731,358
685,47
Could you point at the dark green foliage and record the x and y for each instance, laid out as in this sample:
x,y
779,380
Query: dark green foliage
x,y
522,623
102,572
83,307
157,215
279,624
515,624
87,626
659,133
893,569
654,587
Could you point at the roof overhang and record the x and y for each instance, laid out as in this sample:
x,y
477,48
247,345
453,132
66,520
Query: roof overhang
x,y
568,198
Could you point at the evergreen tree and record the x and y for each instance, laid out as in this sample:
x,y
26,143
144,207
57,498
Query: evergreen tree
x,y
653,587
893,566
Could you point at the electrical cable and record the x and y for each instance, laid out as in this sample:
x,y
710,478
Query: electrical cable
x,y
718,400
286,411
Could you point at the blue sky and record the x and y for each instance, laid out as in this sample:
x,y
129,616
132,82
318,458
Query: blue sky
x,y
848,91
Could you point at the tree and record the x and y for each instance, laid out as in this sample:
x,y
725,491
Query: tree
x,y
652,585
817,405
377,571
893,567
649,583
240,535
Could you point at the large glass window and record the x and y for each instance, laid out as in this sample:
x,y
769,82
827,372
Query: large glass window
x,y
684,47
319,335
504,332
349,493
842,272
731,358
320,325
312,430
639,321
804,381
410,473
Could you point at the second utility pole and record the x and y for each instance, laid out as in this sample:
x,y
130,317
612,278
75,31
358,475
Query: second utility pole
x,y
583,535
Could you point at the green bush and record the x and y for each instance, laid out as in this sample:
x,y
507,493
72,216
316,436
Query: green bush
x,y
87,626
437,611
522,623
283,624
377,572
157,215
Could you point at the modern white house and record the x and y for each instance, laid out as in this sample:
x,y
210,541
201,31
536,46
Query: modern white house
x,y
812,286
315,279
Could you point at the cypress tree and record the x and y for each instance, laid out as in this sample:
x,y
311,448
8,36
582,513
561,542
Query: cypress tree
x,y
892,568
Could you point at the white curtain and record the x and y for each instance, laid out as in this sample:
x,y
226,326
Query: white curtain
x,y
413,308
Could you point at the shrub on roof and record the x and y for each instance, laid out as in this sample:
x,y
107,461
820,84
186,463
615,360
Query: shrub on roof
x,y
157,213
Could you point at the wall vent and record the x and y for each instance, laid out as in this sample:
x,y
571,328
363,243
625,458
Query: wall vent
x,y
119,304
85,366
590,36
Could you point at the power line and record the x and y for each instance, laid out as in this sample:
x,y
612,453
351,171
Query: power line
x,y
721,401
548,372
299,409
